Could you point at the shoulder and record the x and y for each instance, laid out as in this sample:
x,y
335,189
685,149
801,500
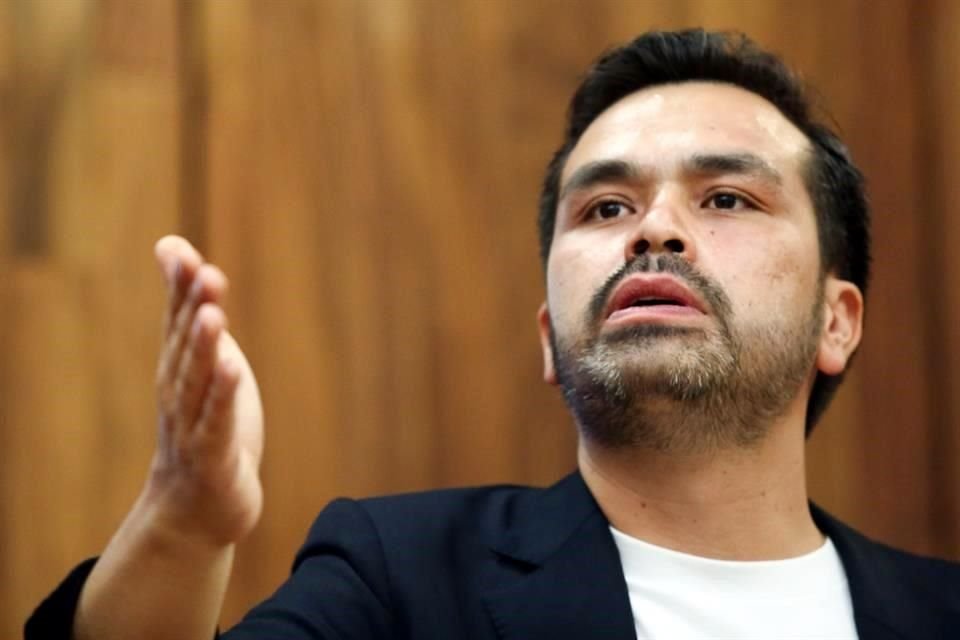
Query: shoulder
x,y
423,519
429,514
912,568
470,504
894,584
937,579
433,542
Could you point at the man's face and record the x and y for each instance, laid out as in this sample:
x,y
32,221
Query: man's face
x,y
684,270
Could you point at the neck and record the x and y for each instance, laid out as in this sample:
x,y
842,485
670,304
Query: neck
x,y
731,504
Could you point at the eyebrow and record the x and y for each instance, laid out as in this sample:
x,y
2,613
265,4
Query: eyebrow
x,y
602,171
732,163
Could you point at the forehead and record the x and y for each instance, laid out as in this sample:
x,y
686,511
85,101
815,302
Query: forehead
x,y
662,125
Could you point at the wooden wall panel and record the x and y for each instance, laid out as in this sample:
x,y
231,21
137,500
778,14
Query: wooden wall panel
x,y
93,112
896,334
940,289
367,173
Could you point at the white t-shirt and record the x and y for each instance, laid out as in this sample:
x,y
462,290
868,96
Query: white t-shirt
x,y
676,596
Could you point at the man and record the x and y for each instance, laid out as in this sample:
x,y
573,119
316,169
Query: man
x,y
706,252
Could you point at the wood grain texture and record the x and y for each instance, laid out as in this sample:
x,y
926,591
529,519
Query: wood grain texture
x,y
81,324
940,285
367,174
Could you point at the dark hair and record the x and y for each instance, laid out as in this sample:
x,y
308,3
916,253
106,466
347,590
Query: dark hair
x,y
835,184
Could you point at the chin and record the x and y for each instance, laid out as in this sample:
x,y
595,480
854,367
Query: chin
x,y
669,370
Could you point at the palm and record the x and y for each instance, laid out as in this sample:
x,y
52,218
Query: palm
x,y
248,430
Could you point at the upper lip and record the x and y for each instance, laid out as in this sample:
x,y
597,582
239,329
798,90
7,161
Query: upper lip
x,y
652,287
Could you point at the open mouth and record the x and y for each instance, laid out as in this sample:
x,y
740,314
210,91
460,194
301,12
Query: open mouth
x,y
654,292
654,302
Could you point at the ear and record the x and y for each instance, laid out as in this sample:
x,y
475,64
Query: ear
x,y
543,325
842,325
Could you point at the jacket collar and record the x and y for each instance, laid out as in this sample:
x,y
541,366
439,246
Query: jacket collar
x,y
887,604
559,572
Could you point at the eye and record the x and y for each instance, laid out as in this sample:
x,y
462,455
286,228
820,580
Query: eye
x,y
728,201
608,209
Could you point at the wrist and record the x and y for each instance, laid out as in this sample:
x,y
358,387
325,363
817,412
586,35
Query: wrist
x,y
161,524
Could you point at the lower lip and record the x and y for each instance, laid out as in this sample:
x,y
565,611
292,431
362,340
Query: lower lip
x,y
651,313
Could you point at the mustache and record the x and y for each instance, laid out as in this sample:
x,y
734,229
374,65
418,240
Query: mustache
x,y
714,296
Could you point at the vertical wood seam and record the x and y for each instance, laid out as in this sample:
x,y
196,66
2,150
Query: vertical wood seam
x,y
193,82
929,198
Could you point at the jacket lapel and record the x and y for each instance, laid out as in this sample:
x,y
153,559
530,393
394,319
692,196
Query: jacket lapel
x,y
885,606
558,571
558,574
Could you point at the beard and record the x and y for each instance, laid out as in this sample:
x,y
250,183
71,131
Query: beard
x,y
682,389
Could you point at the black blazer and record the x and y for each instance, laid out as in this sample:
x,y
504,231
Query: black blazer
x,y
514,563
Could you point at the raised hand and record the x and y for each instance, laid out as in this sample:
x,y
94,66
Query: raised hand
x,y
203,482
165,571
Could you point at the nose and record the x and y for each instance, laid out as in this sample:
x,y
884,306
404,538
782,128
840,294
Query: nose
x,y
662,228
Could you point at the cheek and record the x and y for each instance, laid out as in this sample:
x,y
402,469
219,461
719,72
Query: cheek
x,y
784,289
794,269
776,277
574,275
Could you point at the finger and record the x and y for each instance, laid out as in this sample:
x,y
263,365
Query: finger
x,y
209,285
215,426
172,249
179,262
197,365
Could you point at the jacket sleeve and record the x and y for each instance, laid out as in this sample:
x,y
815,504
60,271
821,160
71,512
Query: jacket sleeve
x,y
53,619
338,589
